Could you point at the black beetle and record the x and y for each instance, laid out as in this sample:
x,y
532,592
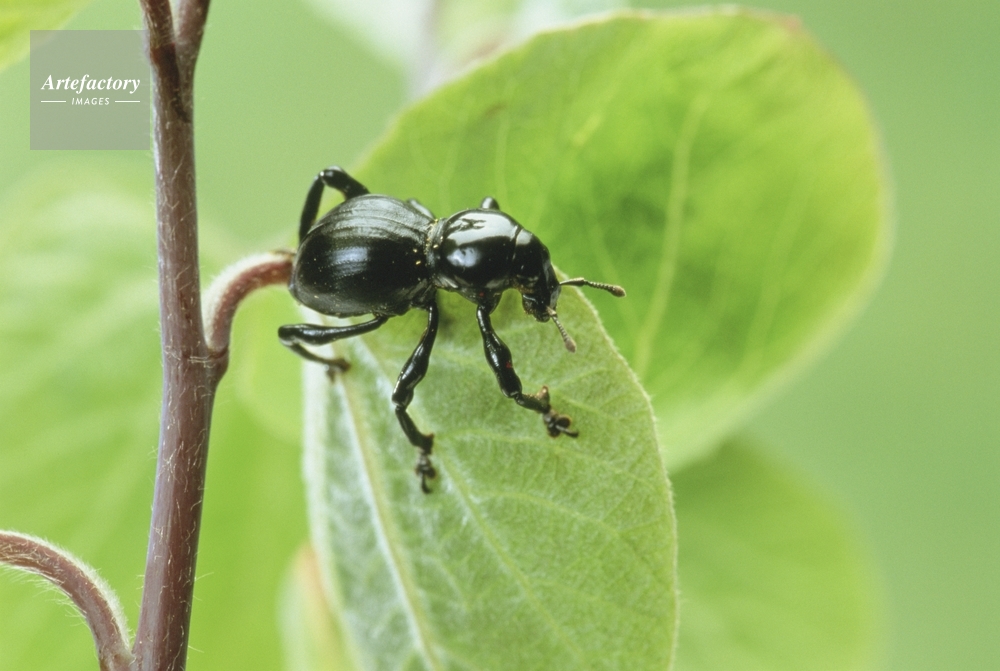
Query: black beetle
x,y
377,255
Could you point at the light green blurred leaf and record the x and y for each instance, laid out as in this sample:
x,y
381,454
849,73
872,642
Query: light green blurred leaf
x,y
771,578
80,392
532,552
432,39
19,17
254,518
719,165
312,639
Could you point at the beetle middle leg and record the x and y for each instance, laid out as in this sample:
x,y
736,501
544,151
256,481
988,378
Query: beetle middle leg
x,y
499,358
411,375
296,336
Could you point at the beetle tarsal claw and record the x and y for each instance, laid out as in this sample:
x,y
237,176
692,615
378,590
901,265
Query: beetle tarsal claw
x,y
425,470
558,425
567,340
336,366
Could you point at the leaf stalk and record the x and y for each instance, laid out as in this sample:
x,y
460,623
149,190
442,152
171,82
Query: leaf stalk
x,y
90,594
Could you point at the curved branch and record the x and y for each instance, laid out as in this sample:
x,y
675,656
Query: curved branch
x,y
191,16
91,595
169,88
233,285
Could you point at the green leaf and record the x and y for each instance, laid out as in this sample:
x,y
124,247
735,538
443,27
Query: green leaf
x,y
19,17
80,389
771,578
719,165
531,552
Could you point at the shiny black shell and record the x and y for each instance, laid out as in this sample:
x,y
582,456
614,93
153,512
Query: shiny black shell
x,y
481,253
366,256
472,252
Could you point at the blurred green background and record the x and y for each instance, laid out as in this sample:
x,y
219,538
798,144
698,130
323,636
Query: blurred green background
x,y
900,423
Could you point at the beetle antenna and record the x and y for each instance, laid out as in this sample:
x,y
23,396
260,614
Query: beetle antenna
x,y
567,340
612,289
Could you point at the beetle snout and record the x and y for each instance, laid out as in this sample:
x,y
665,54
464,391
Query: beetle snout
x,y
540,306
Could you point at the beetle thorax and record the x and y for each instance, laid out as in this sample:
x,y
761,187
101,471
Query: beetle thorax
x,y
482,253
470,252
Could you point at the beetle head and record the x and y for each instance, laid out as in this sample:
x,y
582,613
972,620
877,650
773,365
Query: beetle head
x,y
536,279
534,276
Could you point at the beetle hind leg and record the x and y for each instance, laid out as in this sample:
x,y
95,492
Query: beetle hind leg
x,y
296,336
411,375
333,366
334,177
420,207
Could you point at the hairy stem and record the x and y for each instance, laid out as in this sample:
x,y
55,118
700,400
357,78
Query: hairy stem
x,y
82,585
233,285
190,374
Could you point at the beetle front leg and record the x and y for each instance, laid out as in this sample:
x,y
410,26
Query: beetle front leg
x,y
296,336
499,358
411,375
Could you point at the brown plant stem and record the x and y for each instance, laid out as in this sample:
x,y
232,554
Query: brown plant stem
x,y
81,584
190,374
